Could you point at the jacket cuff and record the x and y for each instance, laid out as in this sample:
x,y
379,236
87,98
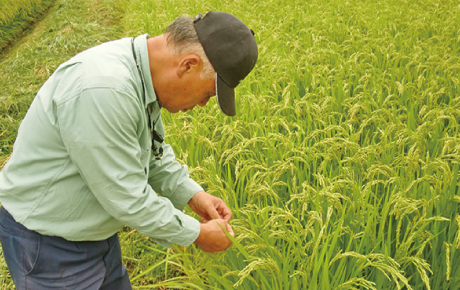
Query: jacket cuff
x,y
184,193
186,237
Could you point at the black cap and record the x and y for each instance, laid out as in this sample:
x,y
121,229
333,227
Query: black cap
x,y
232,50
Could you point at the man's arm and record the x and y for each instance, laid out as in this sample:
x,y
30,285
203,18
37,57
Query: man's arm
x,y
99,130
171,179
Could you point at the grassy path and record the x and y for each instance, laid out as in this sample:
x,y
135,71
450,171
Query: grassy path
x,y
70,27
16,16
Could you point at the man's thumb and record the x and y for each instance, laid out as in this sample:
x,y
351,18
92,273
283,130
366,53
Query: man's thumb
x,y
213,213
230,230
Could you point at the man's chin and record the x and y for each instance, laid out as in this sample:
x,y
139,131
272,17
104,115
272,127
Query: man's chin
x,y
172,111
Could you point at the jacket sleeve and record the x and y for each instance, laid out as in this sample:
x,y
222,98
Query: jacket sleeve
x,y
171,180
99,130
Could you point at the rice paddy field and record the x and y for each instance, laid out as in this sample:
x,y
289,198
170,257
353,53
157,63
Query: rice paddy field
x,y
342,164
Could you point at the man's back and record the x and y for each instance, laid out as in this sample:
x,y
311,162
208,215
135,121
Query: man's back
x,y
41,185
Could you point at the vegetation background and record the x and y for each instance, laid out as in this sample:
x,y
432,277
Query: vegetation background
x,y
342,164
16,15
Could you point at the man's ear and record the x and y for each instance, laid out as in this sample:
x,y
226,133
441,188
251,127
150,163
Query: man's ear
x,y
188,64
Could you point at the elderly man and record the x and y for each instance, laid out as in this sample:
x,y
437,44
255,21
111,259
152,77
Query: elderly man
x,y
90,156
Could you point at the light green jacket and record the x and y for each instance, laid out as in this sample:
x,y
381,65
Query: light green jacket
x,y
82,165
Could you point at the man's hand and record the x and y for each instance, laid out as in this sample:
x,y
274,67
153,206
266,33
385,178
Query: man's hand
x,y
209,207
212,238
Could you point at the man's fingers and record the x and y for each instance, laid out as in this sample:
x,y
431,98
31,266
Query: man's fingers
x,y
225,212
204,220
212,236
212,212
226,226
230,230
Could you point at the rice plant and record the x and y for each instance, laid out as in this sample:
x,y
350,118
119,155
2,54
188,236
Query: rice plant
x,y
341,166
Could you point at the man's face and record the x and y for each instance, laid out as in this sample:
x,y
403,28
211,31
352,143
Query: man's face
x,y
198,93
179,86
184,95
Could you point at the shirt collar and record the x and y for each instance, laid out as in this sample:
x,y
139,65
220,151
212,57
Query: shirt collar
x,y
140,46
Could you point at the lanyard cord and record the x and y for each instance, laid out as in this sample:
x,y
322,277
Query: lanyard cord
x,y
153,133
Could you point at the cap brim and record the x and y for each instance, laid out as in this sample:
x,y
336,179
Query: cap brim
x,y
225,97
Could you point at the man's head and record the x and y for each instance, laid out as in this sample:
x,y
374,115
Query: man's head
x,y
188,78
181,37
217,47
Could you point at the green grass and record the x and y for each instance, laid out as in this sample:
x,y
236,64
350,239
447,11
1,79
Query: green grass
x,y
16,15
342,165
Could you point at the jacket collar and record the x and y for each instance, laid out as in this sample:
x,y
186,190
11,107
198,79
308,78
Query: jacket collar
x,y
140,47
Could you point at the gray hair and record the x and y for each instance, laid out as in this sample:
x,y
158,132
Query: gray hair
x,y
181,37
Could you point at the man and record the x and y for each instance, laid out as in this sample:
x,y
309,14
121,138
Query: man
x,y
90,157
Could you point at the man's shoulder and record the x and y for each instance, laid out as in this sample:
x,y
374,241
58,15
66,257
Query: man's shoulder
x,y
107,66
110,64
